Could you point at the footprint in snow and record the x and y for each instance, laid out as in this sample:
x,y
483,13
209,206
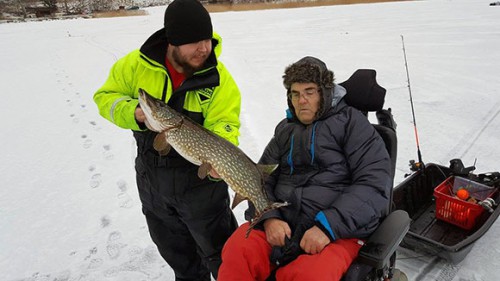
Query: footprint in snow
x,y
37,276
105,221
95,180
108,155
145,262
95,263
92,252
74,118
134,250
124,199
94,125
60,276
114,236
87,143
113,248
122,185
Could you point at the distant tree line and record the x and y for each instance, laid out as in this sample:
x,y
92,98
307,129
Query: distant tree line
x,y
69,7
29,8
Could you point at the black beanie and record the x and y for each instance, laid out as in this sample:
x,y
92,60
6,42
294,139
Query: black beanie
x,y
187,21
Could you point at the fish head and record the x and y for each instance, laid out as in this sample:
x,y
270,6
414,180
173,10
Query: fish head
x,y
159,115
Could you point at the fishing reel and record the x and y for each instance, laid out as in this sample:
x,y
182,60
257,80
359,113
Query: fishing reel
x,y
416,166
491,179
489,204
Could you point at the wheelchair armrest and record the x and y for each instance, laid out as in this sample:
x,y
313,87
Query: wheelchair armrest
x,y
384,241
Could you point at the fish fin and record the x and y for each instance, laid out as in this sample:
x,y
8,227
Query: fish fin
x,y
161,145
237,200
204,169
164,152
266,170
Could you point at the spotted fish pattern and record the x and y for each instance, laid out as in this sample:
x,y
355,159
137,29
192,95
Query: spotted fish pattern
x,y
209,151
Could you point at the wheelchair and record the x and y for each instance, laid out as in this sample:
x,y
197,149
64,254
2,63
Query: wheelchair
x,y
377,258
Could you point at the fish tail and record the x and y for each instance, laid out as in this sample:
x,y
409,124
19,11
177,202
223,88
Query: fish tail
x,y
254,221
258,216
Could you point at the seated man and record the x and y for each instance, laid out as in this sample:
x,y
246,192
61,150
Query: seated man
x,y
335,171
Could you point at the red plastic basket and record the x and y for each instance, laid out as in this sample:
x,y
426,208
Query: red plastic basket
x,y
457,211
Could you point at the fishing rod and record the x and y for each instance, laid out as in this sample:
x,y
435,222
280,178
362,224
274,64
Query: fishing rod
x,y
420,164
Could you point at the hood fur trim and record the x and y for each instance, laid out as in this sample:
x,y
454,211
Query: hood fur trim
x,y
311,70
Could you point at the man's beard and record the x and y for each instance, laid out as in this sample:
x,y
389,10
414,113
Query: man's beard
x,y
188,70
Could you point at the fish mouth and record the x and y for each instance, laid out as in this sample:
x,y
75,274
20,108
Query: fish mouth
x,y
147,102
155,112
144,98
148,106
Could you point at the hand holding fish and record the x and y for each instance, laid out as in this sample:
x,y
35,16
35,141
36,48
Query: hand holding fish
x,y
213,174
140,117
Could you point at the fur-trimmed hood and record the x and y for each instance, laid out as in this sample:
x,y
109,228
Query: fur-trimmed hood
x,y
312,70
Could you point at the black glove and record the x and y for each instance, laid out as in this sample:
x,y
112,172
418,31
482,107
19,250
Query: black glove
x,y
282,256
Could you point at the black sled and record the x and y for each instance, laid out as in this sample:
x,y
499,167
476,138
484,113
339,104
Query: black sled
x,y
443,225
425,215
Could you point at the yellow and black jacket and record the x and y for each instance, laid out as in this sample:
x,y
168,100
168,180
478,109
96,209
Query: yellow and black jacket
x,y
210,97
169,186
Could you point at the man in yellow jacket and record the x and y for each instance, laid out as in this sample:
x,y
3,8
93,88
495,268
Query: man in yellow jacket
x,y
189,219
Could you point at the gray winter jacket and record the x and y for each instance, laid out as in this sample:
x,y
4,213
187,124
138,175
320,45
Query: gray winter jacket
x,y
335,172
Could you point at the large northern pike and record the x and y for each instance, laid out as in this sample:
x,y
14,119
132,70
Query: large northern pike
x,y
209,151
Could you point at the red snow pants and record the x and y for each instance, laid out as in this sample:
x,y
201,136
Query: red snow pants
x,y
247,259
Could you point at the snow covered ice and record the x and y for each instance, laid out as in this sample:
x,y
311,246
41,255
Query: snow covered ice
x,y
69,208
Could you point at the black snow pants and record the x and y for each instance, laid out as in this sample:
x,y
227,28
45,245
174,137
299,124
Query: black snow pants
x,y
189,219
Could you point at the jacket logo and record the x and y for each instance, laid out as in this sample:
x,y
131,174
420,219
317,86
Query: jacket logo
x,y
228,128
205,93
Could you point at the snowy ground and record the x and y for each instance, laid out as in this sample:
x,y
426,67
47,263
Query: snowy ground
x,y
69,208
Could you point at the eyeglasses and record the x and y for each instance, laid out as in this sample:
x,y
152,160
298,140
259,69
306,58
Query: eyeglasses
x,y
307,94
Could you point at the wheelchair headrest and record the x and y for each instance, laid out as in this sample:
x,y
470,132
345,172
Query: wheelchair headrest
x,y
363,92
